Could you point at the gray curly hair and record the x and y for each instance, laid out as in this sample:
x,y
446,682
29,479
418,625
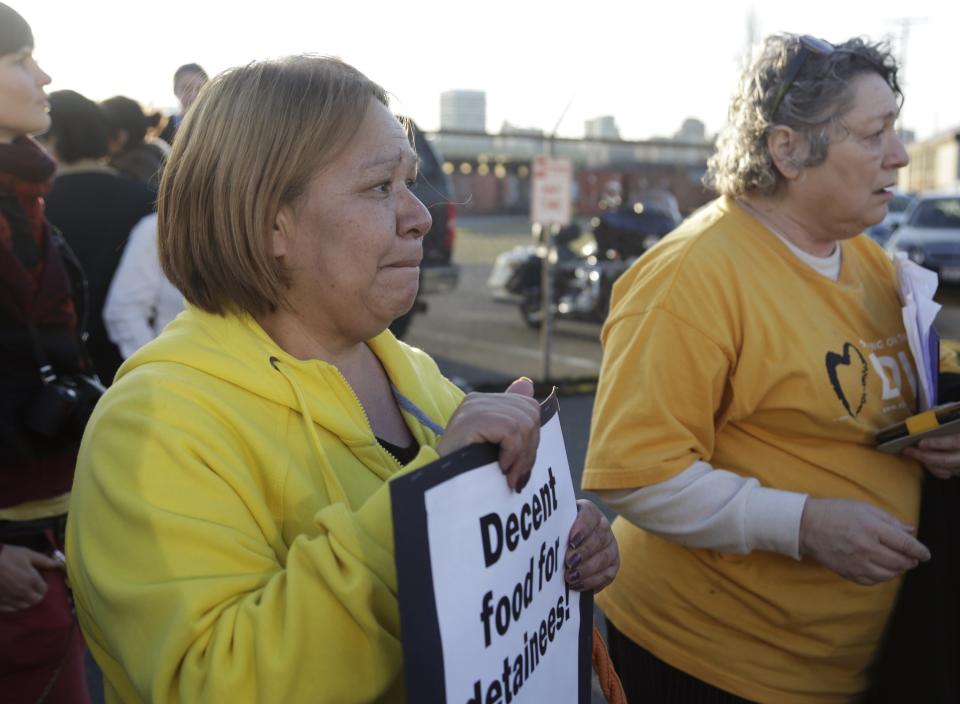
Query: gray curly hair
x,y
813,106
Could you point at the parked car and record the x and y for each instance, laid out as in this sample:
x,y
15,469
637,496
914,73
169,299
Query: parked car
x,y
438,272
896,215
930,235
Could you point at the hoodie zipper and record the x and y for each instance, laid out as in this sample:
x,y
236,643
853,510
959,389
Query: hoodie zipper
x,y
366,418
275,362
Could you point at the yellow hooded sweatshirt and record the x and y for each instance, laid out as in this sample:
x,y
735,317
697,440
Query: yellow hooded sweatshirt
x,y
230,535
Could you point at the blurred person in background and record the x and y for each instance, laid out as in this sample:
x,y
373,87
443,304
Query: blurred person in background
x,y
41,648
746,370
128,151
232,515
93,206
141,300
187,82
155,124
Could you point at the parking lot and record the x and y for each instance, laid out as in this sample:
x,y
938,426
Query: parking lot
x,y
486,341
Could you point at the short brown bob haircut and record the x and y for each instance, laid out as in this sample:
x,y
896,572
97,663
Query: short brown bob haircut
x,y
249,146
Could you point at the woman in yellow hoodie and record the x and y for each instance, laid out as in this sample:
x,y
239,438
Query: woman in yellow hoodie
x,y
231,536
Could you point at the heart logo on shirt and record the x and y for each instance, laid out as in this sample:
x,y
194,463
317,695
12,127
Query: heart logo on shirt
x,y
848,379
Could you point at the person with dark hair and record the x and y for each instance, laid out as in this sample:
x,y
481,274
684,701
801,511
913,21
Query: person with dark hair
x,y
188,73
749,360
130,153
80,132
41,648
187,82
94,206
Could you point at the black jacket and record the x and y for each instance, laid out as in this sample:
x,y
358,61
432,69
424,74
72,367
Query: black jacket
x,y
95,210
920,657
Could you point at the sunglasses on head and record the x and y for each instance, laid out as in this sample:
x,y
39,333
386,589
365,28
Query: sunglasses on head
x,y
808,45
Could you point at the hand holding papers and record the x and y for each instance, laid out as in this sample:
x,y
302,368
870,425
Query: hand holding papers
x,y
485,613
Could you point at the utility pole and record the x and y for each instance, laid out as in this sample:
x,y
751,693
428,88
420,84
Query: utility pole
x,y
751,39
905,24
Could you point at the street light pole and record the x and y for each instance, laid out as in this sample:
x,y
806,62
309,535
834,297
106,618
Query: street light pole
x,y
547,234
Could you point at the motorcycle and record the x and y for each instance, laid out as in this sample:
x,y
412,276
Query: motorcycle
x,y
584,272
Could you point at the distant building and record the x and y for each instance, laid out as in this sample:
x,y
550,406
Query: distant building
x,y
603,127
692,130
509,128
491,172
463,110
934,164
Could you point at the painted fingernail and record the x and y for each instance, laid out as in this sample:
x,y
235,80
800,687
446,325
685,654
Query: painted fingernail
x,y
574,561
573,576
576,539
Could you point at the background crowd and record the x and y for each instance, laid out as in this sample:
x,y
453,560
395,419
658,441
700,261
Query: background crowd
x,y
75,300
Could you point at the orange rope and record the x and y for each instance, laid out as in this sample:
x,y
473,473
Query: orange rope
x,y
609,681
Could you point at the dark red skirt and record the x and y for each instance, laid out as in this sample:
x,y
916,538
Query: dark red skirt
x,y
42,649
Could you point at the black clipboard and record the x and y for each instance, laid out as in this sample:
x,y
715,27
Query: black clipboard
x,y
940,420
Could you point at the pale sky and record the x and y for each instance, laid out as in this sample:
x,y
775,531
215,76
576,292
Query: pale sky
x,y
650,65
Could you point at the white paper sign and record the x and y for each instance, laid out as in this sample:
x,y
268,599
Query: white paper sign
x,y
502,625
551,200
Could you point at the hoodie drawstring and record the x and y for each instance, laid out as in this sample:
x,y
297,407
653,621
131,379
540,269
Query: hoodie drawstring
x,y
334,488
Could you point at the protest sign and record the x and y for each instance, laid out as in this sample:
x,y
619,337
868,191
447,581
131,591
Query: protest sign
x,y
485,614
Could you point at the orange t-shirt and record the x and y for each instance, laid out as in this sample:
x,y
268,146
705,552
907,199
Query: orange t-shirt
x,y
723,346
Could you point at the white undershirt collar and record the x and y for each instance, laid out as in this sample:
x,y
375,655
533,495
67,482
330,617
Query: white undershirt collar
x,y
828,266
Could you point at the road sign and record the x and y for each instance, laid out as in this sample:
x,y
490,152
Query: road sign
x,y
552,191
